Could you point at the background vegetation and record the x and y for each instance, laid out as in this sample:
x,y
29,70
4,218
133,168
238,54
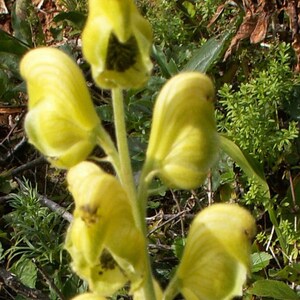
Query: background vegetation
x,y
250,49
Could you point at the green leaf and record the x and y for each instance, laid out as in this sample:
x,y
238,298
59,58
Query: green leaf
x,y
105,112
75,17
259,261
205,57
168,69
190,8
3,82
10,63
178,246
250,166
289,272
273,289
12,45
20,21
26,23
26,271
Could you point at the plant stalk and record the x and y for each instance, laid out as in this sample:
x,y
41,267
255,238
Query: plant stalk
x,y
127,180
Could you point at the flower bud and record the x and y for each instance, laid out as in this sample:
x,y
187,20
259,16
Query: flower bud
x,y
61,122
183,142
216,257
116,42
103,239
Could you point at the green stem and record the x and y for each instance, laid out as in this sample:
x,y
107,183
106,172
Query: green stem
x,y
121,136
126,178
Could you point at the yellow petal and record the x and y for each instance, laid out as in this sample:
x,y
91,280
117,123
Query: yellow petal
x,y
216,258
140,293
88,296
107,277
52,74
117,13
183,143
61,122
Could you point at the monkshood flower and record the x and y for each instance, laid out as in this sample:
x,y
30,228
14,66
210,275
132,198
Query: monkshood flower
x,y
183,142
116,42
103,240
216,257
61,121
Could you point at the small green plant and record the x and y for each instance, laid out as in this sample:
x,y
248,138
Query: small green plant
x,y
37,244
252,111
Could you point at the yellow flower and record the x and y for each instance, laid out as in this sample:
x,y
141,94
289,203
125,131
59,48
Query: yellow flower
x,y
116,42
105,245
216,257
88,296
61,122
183,142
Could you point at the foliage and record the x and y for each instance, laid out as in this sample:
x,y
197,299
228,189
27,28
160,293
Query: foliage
x,y
36,238
252,110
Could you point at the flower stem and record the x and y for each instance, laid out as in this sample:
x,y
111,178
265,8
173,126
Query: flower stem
x,y
121,136
126,178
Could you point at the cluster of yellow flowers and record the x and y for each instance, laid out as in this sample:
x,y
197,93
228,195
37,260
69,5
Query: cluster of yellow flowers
x,y
105,239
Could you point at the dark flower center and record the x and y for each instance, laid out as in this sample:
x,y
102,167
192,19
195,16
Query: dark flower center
x,y
121,56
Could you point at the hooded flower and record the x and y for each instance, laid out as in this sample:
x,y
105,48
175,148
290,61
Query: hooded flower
x,y
183,142
116,42
61,122
103,240
216,257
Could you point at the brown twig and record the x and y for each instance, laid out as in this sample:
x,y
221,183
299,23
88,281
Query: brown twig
x,y
33,163
16,148
168,221
56,208
16,285
49,281
179,211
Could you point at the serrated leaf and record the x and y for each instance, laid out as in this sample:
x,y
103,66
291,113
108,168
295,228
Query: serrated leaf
x,y
273,289
249,165
205,57
260,260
